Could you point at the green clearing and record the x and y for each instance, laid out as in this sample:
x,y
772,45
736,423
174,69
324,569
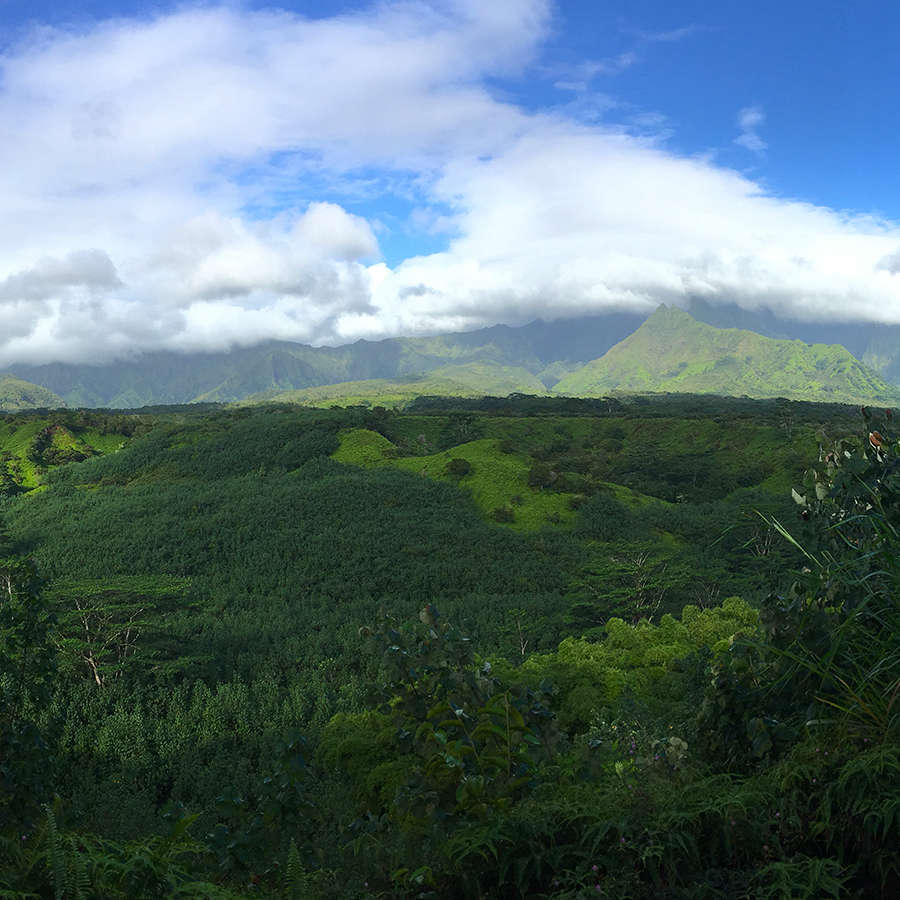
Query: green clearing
x,y
15,443
32,444
497,480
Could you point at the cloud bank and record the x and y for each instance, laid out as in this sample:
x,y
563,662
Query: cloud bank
x,y
187,182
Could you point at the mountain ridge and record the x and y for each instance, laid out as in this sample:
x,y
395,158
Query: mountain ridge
x,y
672,351
17,394
167,377
558,356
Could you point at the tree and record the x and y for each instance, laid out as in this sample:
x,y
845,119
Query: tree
x,y
786,418
102,635
459,468
460,428
473,741
27,665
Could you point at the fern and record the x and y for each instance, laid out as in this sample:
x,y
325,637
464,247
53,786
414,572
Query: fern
x,y
294,874
55,855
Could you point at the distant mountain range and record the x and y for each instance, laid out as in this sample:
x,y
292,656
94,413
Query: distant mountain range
x,y
672,350
545,350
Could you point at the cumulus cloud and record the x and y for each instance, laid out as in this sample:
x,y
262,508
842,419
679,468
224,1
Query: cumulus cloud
x,y
185,181
90,269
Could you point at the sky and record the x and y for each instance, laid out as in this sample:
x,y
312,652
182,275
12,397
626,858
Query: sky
x,y
201,176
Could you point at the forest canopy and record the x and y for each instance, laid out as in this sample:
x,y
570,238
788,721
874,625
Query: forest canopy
x,y
298,653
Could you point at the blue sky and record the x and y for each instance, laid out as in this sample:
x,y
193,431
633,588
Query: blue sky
x,y
195,176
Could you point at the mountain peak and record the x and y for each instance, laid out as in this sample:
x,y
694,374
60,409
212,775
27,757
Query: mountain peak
x,y
674,352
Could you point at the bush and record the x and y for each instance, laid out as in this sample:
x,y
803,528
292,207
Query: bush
x,y
605,518
459,468
541,476
503,514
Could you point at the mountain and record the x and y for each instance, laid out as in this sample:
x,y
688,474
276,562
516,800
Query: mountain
x,y
16,394
674,352
467,380
882,352
586,356
545,350
876,344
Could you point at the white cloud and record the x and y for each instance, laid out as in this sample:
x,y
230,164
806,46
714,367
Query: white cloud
x,y
749,120
570,220
584,72
163,188
669,37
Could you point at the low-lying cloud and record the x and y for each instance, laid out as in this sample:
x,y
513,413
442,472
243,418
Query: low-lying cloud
x,y
185,182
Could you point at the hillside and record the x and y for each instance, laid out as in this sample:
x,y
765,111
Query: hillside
x,y
674,352
34,444
467,380
16,394
876,344
267,625
545,350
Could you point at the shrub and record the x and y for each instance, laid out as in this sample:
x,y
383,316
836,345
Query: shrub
x,y
459,468
541,476
503,514
605,518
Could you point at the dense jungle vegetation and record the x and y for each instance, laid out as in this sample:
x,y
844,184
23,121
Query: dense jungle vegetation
x,y
497,648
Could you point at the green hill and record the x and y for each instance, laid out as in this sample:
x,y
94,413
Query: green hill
x,y
673,352
33,444
468,380
16,394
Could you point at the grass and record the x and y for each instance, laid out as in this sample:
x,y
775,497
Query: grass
x,y
762,453
16,439
17,436
361,447
103,443
497,480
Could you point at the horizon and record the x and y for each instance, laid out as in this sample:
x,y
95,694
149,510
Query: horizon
x,y
205,176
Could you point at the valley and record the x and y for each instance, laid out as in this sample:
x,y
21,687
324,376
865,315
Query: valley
x,y
347,647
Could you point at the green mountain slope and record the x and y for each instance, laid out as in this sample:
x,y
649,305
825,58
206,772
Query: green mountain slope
x,y
16,394
467,380
673,352
546,350
32,444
